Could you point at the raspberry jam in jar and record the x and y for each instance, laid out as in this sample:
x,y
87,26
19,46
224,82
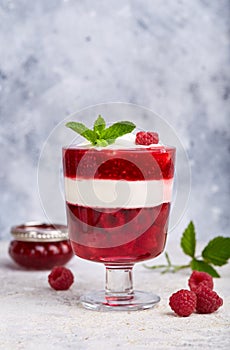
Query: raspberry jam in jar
x,y
40,246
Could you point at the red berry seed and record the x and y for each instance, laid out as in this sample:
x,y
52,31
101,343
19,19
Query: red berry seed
x,y
146,138
208,301
199,277
183,302
60,278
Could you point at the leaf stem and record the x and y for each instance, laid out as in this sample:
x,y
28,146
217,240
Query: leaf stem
x,y
169,267
168,260
180,267
154,267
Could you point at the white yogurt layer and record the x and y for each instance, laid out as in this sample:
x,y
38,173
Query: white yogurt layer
x,y
122,142
118,193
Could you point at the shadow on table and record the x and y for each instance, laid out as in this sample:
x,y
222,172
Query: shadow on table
x,y
169,314
10,265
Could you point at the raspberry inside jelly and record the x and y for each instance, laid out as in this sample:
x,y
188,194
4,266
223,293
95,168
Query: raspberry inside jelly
x,y
131,165
98,235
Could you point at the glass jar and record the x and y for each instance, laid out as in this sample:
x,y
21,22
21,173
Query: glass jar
x,y
40,246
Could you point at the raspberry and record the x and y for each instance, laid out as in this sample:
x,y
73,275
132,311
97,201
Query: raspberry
x,y
146,138
60,278
198,278
183,302
208,301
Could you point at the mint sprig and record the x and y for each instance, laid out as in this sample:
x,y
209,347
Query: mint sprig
x,y
216,252
100,135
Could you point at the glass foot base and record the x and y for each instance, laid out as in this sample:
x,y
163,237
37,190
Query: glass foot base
x,y
97,301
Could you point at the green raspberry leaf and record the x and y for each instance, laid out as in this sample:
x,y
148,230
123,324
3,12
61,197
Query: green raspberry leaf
x,y
99,126
82,130
116,130
188,240
217,252
200,265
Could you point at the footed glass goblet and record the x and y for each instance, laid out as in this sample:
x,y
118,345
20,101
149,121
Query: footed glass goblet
x,y
118,204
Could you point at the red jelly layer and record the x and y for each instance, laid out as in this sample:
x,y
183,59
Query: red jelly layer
x,y
131,164
118,235
40,255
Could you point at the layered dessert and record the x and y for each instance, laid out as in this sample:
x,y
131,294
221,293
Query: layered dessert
x,y
118,198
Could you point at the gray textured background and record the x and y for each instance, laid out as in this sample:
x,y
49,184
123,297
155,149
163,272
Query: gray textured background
x,y
171,56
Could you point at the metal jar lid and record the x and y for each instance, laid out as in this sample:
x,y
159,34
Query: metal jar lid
x,y
40,232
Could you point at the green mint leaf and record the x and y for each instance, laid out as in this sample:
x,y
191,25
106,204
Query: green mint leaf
x,y
82,130
217,251
116,130
100,135
101,143
99,126
77,127
200,265
188,240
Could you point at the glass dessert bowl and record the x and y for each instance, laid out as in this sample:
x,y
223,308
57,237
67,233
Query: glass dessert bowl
x,y
118,203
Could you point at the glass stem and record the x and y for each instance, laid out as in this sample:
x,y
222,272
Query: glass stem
x,y
119,282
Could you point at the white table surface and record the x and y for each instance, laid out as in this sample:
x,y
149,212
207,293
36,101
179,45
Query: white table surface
x,y
34,316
